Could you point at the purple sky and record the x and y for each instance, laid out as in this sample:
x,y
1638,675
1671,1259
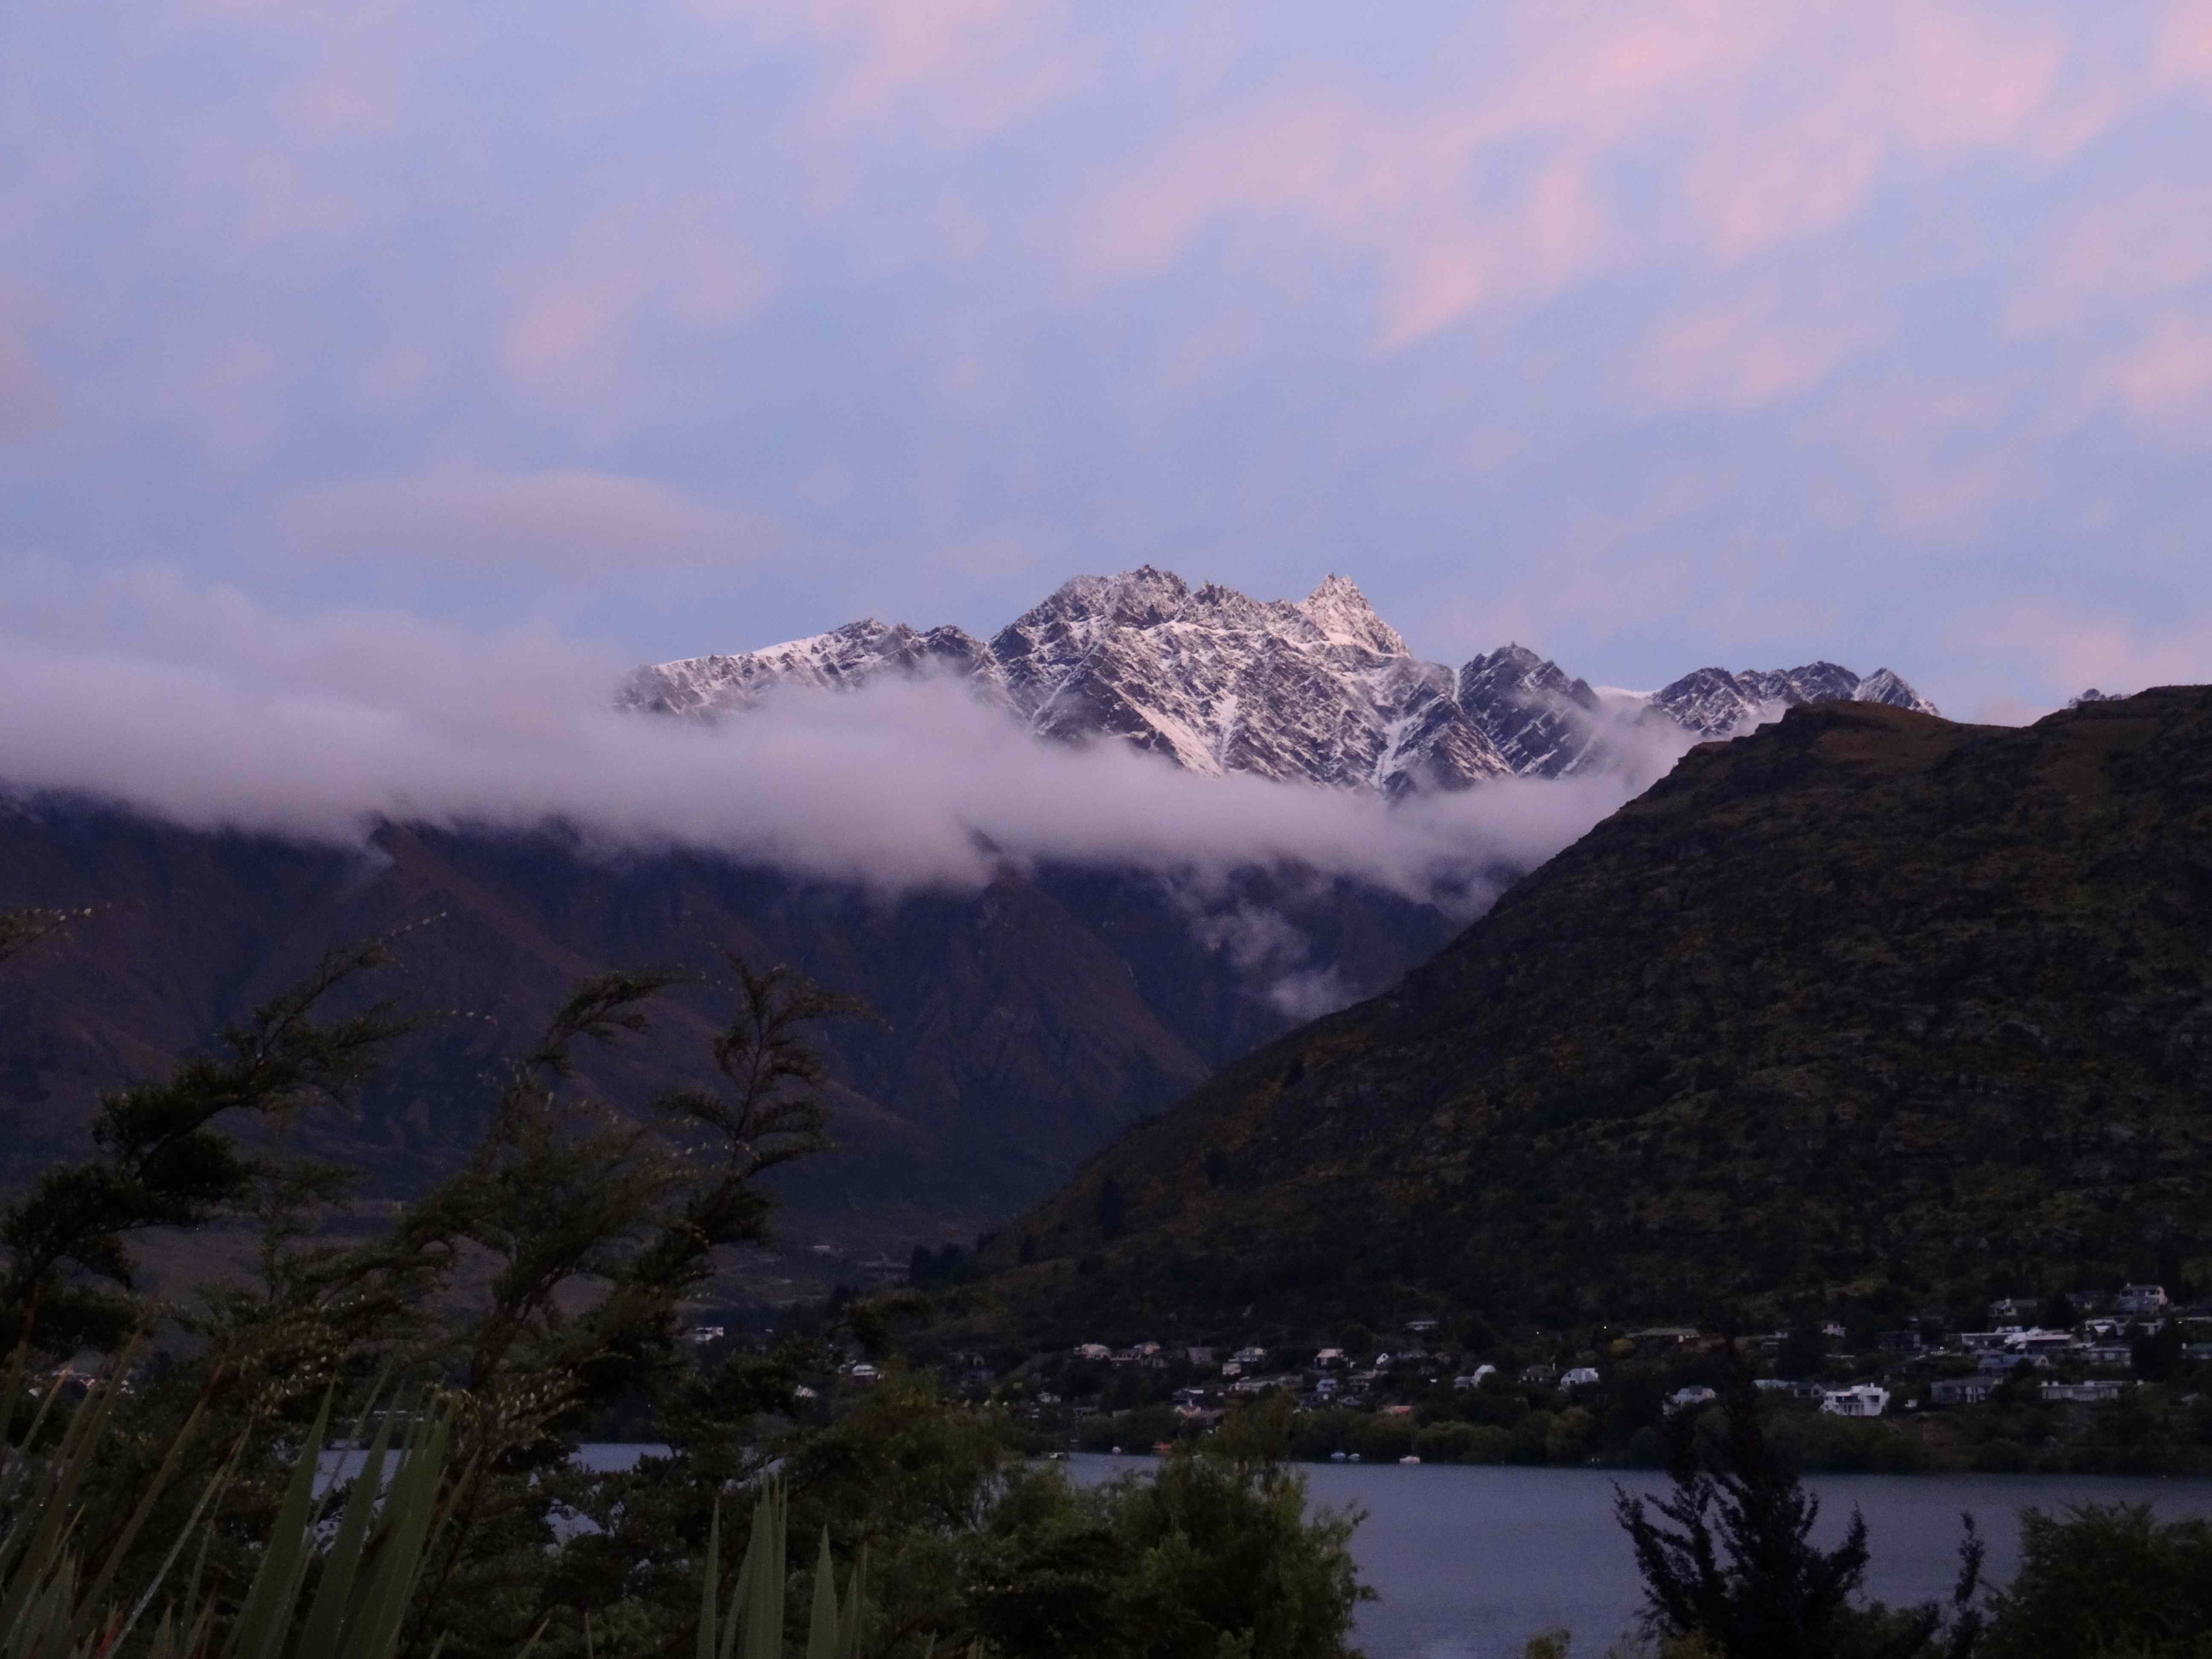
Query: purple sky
x,y
1651,335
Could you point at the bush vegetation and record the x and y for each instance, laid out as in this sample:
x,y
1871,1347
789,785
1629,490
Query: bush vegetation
x,y
180,1505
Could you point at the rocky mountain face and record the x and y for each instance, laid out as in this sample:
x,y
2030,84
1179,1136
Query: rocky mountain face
x,y
1319,689
1866,1003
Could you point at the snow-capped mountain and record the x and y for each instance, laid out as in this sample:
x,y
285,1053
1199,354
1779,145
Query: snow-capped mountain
x,y
1320,690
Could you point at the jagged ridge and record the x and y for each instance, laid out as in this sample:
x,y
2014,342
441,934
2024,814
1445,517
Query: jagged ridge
x,y
1319,689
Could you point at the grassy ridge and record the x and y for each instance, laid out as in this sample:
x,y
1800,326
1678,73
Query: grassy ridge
x,y
1869,1005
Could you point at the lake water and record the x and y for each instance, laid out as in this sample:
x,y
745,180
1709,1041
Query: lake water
x,y
1471,1561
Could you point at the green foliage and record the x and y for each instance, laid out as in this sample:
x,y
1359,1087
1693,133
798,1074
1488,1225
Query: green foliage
x,y
161,1159
1738,1570
364,1569
1863,1007
543,1279
2100,1580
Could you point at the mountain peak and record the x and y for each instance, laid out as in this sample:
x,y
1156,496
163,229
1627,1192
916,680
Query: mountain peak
x,y
1318,691
1341,610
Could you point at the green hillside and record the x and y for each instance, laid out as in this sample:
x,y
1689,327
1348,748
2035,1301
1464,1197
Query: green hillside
x,y
1868,1003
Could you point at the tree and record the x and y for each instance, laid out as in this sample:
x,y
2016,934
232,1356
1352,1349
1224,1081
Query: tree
x,y
2099,1579
1738,1568
163,1157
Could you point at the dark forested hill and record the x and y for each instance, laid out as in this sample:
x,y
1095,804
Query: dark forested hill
x,y
1026,1022
1867,1002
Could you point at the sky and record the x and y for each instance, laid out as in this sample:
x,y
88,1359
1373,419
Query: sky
x,y
1655,335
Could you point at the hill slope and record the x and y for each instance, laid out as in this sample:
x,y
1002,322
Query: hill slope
x,y
1027,1021
1865,1001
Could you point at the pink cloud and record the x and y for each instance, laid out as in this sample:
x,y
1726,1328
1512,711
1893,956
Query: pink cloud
x,y
2112,254
2184,44
2168,373
1970,77
1743,355
1513,181
2077,649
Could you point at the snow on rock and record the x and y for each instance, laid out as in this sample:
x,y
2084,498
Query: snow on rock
x,y
1715,703
1319,689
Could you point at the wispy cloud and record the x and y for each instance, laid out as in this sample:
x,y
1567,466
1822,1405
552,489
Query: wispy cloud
x,y
199,705
1727,304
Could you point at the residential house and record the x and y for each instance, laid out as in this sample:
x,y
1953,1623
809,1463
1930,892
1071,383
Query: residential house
x,y
1862,1399
1093,1350
2006,1360
2140,1301
1686,1398
2012,1310
1961,1390
2094,1392
1473,1378
1581,1376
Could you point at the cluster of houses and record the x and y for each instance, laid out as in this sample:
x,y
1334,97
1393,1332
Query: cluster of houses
x,y
2086,1364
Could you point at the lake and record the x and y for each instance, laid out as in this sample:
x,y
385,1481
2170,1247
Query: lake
x,y
1471,1561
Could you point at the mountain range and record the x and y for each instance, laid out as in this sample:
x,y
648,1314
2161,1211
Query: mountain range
x,y
1029,1021
1317,690
1867,1004
1023,1024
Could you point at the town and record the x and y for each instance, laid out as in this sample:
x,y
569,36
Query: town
x,y
2083,1381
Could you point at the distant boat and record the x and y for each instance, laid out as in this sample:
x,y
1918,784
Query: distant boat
x,y
1409,1459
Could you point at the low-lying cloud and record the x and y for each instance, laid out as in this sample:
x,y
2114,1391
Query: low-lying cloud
x,y
205,708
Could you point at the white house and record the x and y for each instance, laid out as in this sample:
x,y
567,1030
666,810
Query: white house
x,y
1581,1376
1865,1400
1696,1394
1473,1378
2139,1300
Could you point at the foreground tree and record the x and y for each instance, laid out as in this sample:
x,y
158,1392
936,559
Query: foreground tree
x,y
163,1154
2106,1582
1729,1560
